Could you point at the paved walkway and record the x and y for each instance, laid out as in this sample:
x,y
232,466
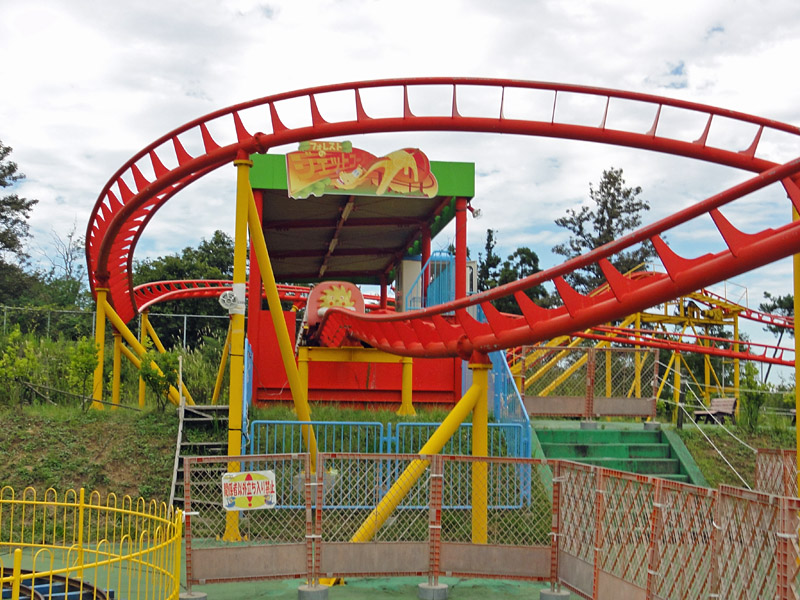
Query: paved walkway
x,y
379,587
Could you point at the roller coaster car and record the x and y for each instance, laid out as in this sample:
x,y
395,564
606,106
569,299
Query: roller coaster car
x,y
333,294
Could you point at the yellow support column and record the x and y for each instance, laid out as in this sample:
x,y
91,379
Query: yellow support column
x,y
117,367
796,277
406,389
303,359
676,392
237,334
143,322
100,343
480,447
129,337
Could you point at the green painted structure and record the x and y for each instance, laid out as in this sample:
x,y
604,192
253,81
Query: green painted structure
x,y
620,446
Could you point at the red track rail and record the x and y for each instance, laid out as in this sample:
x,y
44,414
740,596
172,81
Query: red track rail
x,y
430,332
156,292
130,198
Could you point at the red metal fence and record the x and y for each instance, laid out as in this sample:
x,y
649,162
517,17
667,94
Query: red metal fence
x,y
600,533
776,472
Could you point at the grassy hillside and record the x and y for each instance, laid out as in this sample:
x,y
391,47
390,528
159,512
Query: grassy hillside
x,y
120,451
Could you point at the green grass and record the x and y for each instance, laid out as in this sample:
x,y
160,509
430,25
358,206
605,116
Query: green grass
x,y
118,451
773,434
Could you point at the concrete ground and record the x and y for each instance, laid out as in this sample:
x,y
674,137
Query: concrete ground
x,y
379,587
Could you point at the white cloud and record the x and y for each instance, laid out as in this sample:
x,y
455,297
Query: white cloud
x,y
90,83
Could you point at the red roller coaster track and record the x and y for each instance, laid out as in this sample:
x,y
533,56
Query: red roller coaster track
x,y
120,214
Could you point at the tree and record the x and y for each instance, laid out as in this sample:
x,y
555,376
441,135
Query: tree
x,y
615,211
522,263
487,275
15,283
778,305
212,259
14,211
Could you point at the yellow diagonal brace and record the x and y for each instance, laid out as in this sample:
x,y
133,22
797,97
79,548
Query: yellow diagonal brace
x,y
160,347
128,336
281,332
226,348
417,467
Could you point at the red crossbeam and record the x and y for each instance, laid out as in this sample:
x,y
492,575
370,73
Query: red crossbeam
x,y
152,176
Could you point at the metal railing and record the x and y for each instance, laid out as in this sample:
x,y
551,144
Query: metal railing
x,y
601,533
104,547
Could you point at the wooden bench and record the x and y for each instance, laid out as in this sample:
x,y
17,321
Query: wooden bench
x,y
717,411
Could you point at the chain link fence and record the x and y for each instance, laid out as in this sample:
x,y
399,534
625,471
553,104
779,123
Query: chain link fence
x,y
589,382
776,472
600,533
54,323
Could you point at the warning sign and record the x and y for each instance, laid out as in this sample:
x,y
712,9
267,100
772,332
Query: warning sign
x,y
249,491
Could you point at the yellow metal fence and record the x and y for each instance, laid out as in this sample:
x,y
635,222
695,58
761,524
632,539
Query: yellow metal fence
x,y
101,546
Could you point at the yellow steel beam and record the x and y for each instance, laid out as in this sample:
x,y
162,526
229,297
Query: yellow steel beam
x,y
226,348
143,319
130,338
160,347
281,332
236,385
115,381
100,344
480,447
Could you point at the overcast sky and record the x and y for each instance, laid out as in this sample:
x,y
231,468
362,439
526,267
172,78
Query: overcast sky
x,y
86,84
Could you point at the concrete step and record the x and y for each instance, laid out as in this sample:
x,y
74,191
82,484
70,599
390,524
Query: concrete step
x,y
581,451
597,436
642,466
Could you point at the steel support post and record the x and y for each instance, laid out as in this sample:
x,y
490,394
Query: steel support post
x,y
480,448
100,344
237,333
117,368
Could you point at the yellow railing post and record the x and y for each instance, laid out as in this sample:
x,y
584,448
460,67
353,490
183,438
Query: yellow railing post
x,y
100,343
81,510
16,580
407,387
480,447
115,381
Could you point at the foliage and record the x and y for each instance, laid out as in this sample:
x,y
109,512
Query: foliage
x,y
753,395
492,272
16,364
159,370
212,259
83,360
14,211
778,305
615,210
